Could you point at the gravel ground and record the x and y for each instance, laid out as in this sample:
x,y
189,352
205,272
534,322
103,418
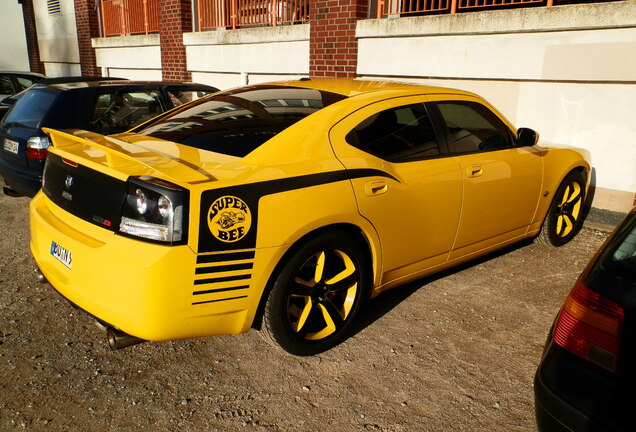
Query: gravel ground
x,y
454,352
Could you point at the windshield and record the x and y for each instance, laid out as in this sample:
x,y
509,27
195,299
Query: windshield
x,y
30,109
237,122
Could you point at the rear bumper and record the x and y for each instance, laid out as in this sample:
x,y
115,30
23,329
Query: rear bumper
x,y
23,181
572,395
144,289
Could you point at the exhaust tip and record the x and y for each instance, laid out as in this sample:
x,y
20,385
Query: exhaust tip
x,y
117,339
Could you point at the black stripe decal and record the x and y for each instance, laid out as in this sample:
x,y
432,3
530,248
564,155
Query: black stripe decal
x,y
222,279
251,193
270,187
216,301
212,291
230,256
224,268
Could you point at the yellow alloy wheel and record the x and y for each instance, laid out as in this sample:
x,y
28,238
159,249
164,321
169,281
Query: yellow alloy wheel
x,y
565,215
322,295
316,296
570,209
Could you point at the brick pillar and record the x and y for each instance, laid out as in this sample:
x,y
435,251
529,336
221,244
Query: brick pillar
x,y
175,18
35,63
333,49
87,25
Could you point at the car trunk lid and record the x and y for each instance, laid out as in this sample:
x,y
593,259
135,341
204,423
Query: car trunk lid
x,y
128,154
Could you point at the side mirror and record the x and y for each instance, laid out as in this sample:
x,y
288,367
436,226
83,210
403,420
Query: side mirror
x,y
526,137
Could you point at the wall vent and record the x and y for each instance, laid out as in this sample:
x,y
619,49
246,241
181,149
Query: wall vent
x,y
53,6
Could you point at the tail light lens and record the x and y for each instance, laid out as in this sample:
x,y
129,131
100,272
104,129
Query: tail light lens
x,y
155,210
589,326
36,147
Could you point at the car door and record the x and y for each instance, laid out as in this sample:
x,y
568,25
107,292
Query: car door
x,y
412,195
501,181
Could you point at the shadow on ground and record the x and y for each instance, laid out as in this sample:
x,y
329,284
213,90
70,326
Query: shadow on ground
x,y
379,306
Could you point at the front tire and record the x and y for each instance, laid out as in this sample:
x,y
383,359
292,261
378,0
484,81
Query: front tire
x,y
317,295
565,215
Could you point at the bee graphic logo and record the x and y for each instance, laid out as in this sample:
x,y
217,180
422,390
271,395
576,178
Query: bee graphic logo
x,y
229,219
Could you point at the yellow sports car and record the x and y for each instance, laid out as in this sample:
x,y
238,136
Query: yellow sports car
x,y
284,206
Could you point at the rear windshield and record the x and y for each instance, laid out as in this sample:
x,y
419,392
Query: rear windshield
x,y
235,123
30,109
622,258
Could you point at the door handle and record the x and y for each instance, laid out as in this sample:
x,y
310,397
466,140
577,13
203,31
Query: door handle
x,y
474,171
376,187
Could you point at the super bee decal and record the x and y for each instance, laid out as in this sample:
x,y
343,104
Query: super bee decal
x,y
231,214
229,219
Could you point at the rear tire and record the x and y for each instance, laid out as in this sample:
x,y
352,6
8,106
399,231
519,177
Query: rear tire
x,y
317,295
565,215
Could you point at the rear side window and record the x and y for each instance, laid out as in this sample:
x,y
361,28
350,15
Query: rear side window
x,y
471,128
180,96
398,134
623,258
30,109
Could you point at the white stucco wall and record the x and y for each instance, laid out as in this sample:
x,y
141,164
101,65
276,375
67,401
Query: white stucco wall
x,y
13,48
568,72
57,38
229,58
132,57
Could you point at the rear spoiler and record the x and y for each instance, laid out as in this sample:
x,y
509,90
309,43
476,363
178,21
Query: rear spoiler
x,y
121,159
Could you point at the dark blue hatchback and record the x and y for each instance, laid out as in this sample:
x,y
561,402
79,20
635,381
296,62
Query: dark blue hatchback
x,y
586,380
106,107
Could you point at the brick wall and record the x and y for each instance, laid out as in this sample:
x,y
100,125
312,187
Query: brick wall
x,y
333,49
175,18
87,28
33,49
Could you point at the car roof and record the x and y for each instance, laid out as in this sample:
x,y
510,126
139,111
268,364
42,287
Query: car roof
x,y
13,72
352,87
107,83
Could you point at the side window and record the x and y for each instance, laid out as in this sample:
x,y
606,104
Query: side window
x,y
120,111
473,128
24,82
5,85
398,134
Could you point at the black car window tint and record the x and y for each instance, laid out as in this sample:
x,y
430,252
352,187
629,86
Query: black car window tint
x,y
237,122
397,135
122,110
178,97
472,127
181,94
5,85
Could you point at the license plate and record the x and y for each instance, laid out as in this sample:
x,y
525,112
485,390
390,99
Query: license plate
x,y
11,146
62,254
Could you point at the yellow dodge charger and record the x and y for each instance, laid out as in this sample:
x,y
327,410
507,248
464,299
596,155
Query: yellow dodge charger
x,y
284,206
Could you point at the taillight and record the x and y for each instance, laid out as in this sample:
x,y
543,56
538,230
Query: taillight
x,y
36,147
155,210
589,326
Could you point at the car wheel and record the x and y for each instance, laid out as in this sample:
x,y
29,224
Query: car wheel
x,y
565,215
317,295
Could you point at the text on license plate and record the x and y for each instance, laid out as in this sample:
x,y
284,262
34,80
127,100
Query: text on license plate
x,y
10,146
63,255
